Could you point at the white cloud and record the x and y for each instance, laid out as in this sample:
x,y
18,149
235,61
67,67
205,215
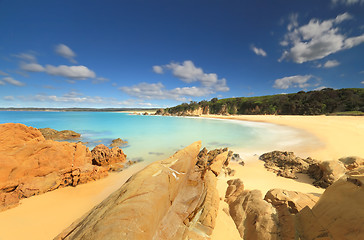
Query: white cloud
x,y
74,72
318,39
26,56
9,98
347,2
157,69
293,81
258,51
65,52
2,83
362,82
188,73
158,91
293,21
32,67
331,63
3,73
78,99
362,72
12,81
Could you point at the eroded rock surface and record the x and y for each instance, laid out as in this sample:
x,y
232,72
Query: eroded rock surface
x,y
326,173
104,156
31,165
52,134
171,199
286,164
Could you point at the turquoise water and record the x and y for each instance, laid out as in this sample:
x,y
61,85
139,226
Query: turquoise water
x,y
153,137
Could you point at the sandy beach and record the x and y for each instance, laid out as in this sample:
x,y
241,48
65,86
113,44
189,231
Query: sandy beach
x,y
44,216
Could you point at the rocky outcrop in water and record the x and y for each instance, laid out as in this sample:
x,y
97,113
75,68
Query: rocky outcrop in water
x,y
171,199
31,165
118,142
106,157
51,134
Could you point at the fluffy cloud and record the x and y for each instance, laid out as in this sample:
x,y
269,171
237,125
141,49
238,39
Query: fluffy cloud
x,y
258,51
347,2
362,82
32,67
158,91
320,88
2,83
12,81
186,72
74,72
293,81
65,52
158,69
317,39
331,63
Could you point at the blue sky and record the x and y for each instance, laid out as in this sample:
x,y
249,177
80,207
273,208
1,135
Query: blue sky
x,y
135,53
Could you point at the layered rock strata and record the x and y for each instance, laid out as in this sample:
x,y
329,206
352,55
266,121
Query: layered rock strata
x,y
171,199
31,165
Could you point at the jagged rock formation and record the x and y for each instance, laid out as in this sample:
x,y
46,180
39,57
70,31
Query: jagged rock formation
x,y
31,165
51,134
286,164
337,214
104,156
118,142
171,199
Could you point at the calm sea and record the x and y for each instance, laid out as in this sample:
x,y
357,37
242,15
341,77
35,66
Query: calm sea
x,y
152,138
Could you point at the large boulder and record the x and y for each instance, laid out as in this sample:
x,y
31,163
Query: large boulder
x,y
104,156
52,134
326,173
287,204
30,164
169,199
338,214
118,142
254,218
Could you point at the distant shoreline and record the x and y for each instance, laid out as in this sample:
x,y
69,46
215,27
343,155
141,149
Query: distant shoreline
x,y
79,109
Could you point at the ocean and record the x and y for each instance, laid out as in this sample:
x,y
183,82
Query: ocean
x,y
152,138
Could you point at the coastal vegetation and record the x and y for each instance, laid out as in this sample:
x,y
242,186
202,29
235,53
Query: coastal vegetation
x,y
349,101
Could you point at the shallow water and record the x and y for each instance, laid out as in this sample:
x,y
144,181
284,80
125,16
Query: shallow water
x,y
156,137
